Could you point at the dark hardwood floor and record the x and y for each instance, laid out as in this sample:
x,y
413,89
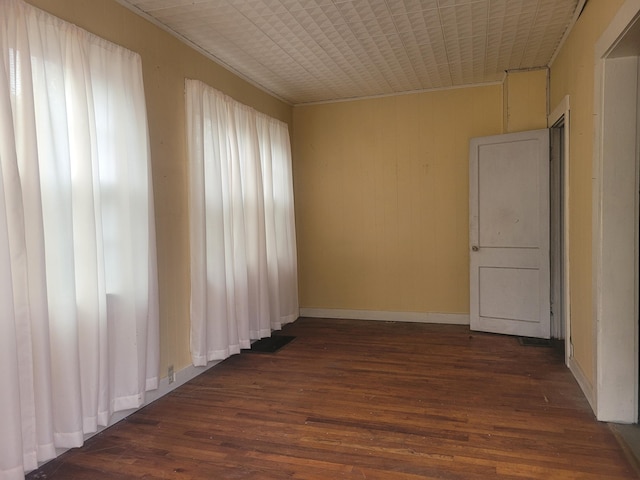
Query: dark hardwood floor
x,y
364,400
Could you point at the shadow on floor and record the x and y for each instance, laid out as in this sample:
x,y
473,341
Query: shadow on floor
x,y
629,438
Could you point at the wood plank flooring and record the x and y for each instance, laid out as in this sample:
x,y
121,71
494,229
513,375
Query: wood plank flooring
x,y
364,400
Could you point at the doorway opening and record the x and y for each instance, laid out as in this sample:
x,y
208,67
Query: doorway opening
x,y
558,122
556,229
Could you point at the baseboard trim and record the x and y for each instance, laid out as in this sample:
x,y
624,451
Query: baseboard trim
x,y
583,382
415,317
164,387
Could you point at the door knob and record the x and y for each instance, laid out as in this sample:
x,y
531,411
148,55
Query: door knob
x,y
475,248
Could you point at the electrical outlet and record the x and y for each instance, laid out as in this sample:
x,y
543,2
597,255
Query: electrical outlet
x,y
171,374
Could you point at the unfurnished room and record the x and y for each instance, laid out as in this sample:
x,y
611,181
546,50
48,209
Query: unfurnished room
x,y
320,239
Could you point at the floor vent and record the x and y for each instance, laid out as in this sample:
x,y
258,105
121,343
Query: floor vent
x,y
270,344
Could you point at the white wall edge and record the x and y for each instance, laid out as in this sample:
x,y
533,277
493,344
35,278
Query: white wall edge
x,y
614,319
414,317
585,385
622,19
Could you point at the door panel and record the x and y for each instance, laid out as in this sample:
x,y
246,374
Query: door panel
x,y
509,234
500,293
507,215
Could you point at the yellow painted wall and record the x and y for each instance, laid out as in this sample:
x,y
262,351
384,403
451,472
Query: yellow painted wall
x,y
525,100
572,73
381,188
166,62
381,184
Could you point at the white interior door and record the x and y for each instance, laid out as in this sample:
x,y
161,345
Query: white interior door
x,y
509,234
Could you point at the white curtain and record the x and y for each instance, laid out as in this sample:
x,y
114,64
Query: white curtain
x,y
78,282
243,250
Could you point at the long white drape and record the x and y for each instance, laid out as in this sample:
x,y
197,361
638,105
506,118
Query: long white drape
x,y
78,281
243,250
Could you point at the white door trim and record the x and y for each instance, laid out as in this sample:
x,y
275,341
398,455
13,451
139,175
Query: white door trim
x,y
562,111
615,223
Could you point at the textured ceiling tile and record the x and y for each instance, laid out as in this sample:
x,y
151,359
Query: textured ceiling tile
x,y
505,8
449,3
315,50
411,6
402,23
348,12
152,5
468,20
365,8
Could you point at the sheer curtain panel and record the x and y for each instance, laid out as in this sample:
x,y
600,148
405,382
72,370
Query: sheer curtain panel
x,y
243,250
78,282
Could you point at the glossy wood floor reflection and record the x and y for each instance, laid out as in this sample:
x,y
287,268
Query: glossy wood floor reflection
x,y
364,400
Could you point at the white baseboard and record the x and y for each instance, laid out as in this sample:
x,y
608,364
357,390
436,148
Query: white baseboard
x,y
164,387
416,317
583,382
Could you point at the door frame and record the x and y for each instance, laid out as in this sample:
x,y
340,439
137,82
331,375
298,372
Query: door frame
x,y
615,221
561,114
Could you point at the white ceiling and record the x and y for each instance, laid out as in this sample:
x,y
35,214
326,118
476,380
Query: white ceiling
x,y
305,51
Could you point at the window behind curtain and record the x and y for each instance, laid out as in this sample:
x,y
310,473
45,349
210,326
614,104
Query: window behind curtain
x,y
243,251
79,326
